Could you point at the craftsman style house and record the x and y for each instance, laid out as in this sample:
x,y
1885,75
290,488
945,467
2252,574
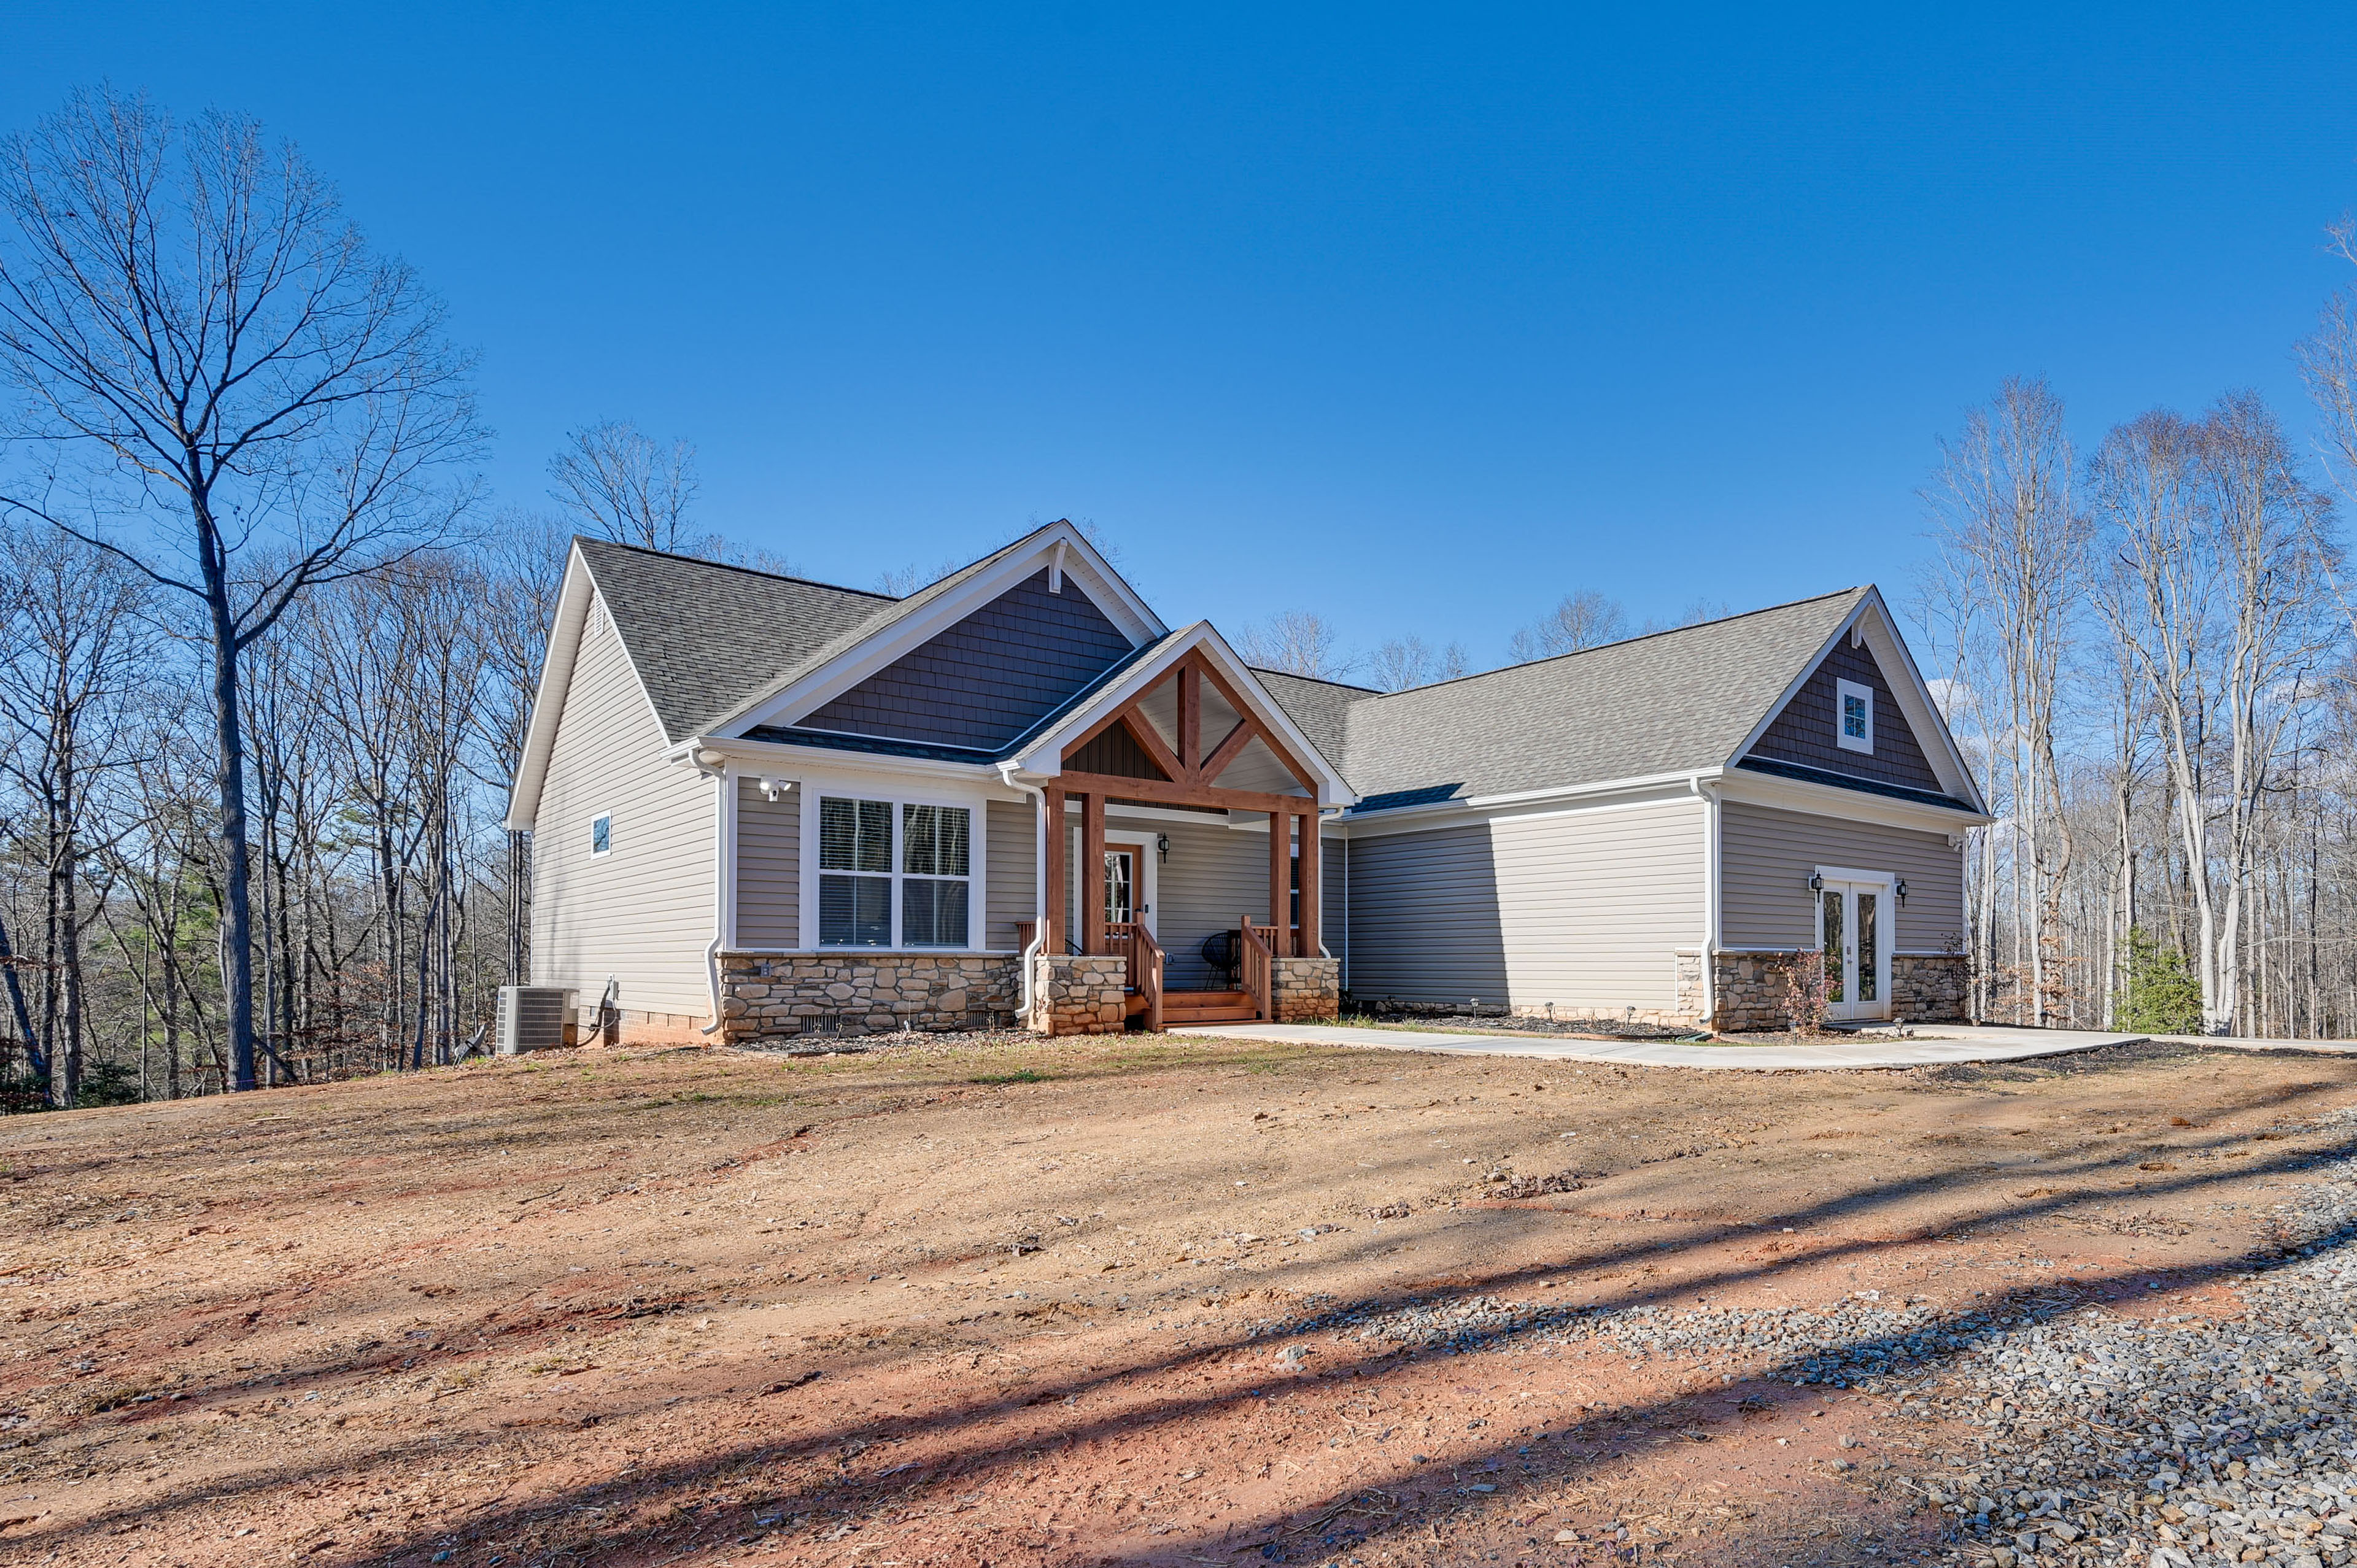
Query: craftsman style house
x,y
763,807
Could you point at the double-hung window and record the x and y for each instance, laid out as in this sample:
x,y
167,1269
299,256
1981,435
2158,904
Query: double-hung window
x,y
893,874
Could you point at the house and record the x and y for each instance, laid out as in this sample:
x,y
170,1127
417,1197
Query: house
x,y
762,807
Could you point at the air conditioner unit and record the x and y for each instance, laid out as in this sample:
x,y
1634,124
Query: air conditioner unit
x,y
532,1018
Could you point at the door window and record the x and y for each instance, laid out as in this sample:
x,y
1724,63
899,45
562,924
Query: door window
x,y
1868,971
1836,947
1121,886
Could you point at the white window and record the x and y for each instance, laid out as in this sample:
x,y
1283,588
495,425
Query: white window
x,y
601,834
1853,716
893,874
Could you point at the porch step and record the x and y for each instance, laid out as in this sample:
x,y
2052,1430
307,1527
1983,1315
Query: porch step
x,y
1207,1007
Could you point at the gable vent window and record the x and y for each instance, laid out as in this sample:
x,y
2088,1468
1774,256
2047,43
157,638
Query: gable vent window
x,y
1854,727
865,878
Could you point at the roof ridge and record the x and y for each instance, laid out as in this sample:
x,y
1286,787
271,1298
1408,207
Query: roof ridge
x,y
1625,641
1318,679
735,566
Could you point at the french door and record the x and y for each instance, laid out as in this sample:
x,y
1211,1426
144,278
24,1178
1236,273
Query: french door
x,y
1854,935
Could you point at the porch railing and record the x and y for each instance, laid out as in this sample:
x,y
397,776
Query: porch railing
x,y
1133,941
1259,967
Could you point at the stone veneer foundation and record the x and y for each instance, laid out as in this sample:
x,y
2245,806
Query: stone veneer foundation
x,y
769,995
1925,988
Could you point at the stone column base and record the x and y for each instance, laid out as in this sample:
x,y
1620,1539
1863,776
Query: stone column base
x,y
1928,988
1307,990
1747,990
1079,993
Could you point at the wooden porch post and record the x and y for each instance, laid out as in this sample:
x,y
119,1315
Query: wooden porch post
x,y
1312,865
1280,882
1051,909
1091,873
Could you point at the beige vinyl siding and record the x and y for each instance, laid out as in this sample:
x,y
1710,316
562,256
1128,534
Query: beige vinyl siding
x,y
642,914
769,867
1011,877
1584,910
1766,856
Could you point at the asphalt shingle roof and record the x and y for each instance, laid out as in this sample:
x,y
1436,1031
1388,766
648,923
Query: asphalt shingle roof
x,y
705,636
1659,704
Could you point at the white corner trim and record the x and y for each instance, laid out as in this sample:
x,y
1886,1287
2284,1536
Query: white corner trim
x,y
1058,542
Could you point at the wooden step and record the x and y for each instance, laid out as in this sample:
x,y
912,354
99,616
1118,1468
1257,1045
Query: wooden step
x,y
1207,1007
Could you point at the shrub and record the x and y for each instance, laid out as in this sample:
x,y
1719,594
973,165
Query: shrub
x,y
2159,994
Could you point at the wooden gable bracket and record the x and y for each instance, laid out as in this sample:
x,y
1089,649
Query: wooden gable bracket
x,y
1186,768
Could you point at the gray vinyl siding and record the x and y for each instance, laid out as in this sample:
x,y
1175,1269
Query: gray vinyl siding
x,y
1804,732
1585,911
769,867
644,913
1213,875
1766,856
1011,880
990,677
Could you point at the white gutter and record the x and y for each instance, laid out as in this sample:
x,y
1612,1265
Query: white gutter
x,y
1038,878
1707,793
724,873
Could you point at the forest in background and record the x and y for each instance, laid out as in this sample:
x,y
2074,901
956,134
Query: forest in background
x,y
267,652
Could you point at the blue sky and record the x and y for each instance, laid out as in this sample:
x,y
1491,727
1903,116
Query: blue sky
x,y
1417,317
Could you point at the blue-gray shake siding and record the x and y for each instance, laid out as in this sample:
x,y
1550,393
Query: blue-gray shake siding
x,y
1804,731
988,678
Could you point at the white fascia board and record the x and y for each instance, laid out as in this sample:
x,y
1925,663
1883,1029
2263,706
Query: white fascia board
x,y
573,600
1914,694
1650,788
779,759
1104,587
1834,801
1044,758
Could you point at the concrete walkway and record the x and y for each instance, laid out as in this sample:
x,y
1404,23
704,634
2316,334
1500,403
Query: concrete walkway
x,y
1934,1045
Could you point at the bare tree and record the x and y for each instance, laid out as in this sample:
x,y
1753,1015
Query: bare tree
x,y
625,486
2011,534
1298,643
1583,619
1401,663
217,379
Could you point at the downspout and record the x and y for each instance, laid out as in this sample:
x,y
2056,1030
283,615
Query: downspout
x,y
723,883
1038,880
1708,795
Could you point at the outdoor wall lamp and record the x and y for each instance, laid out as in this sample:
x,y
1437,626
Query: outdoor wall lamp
x,y
1162,847
1900,887
1816,882
775,789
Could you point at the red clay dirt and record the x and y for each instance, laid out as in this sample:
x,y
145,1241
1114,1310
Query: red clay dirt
x,y
988,1300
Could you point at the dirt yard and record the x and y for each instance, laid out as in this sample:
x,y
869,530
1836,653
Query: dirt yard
x,y
1141,1301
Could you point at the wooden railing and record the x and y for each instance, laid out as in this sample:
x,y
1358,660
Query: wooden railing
x,y
1023,930
1259,967
1133,941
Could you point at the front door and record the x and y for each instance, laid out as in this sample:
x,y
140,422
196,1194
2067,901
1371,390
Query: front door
x,y
1853,933
1129,883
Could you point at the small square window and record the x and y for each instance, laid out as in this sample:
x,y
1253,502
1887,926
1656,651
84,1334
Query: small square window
x,y
1853,716
601,835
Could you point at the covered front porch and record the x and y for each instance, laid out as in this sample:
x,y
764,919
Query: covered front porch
x,y
1097,958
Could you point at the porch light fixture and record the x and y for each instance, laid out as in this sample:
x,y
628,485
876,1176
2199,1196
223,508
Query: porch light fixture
x,y
1816,882
1900,887
1162,847
775,789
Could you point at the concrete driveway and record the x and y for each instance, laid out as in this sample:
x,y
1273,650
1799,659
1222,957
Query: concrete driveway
x,y
1934,1045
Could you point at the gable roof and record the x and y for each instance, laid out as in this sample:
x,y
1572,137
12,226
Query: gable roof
x,y
702,634
1670,702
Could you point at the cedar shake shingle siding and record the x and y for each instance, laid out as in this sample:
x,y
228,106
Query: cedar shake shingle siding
x,y
1804,732
987,679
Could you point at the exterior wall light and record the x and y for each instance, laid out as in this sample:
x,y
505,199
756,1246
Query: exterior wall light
x,y
1900,887
1816,882
1162,847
